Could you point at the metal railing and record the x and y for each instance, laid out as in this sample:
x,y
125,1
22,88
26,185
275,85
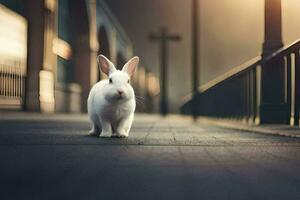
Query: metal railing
x,y
12,83
238,94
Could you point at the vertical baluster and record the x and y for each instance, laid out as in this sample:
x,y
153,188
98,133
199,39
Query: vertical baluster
x,y
5,80
292,120
11,89
258,93
20,83
13,80
288,88
22,79
18,80
245,97
9,80
1,80
297,87
248,111
253,94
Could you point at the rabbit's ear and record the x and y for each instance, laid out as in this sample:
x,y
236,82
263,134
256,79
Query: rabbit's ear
x,y
131,65
105,65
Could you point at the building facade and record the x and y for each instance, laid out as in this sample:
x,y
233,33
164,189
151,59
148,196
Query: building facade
x,y
48,63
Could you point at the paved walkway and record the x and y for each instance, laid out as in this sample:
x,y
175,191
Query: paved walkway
x,y
51,157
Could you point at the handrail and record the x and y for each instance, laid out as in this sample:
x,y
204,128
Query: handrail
x,y
231,73
258,60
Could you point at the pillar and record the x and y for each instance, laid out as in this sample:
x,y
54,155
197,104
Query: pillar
x,y
33,13
273,108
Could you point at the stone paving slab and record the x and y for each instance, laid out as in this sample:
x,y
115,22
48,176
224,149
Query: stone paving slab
x,y
37,129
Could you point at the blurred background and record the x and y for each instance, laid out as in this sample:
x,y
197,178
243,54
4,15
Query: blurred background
x,y
49,47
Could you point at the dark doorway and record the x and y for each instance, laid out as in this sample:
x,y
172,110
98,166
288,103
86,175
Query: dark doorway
x,y
103,46
81,47
120,61
103,43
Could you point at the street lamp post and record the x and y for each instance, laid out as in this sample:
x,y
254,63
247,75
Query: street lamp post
x,y
163,37
195,53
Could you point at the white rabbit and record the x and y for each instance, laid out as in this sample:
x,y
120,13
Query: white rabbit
x,y
111,102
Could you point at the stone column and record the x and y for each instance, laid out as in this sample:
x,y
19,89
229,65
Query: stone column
x,y
34,13
93,42
273,27
41,61
273,106
47,74
83,18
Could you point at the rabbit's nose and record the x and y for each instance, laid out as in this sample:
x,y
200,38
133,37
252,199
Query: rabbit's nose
x,y
120,92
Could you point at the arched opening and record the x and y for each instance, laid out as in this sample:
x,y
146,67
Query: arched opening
x,y
103,42
81,48
104,47
120,61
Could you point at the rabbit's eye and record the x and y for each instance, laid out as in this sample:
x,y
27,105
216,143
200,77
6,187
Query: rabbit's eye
x,y
128,81
110,80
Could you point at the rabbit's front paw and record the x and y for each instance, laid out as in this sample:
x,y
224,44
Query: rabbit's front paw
x,y
94,133
121,134
105,134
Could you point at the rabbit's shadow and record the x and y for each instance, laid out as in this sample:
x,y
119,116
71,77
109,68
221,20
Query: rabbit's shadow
x,y
105,138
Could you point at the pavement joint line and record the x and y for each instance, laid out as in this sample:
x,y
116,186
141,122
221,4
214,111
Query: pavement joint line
x,y
148,132
160,145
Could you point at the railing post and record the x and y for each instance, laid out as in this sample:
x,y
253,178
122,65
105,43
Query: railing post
x,y
297,88
247,96
273,106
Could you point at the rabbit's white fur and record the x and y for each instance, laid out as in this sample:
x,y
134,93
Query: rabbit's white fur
x,y
111,102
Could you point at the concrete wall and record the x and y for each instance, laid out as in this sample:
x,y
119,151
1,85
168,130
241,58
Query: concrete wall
x,y
231,33
291,20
